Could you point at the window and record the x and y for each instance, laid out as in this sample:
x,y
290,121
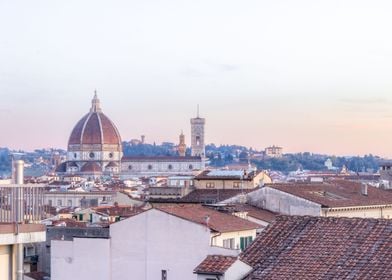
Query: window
x,y
75,155
110,155
245,242
50,202
130,167
229,243
59,202
91,155
210,185
190,166
149,167
164,274
29,251
69,202
170,167
197,140
236,185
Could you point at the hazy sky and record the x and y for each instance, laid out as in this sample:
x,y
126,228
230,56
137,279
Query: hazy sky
x,y
307,75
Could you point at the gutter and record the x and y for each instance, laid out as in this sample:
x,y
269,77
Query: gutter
x,y
214,236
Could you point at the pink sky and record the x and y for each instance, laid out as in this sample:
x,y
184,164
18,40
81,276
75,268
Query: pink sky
x,y
306,75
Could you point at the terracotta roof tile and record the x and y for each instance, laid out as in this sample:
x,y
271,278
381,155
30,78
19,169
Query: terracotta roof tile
x,y
76,133
213,195
119,210
296,247
95,128
92,131
216,221
69,223
209,175
215,264
258,213
337,193
91,167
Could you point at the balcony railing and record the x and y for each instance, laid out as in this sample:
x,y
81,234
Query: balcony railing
x,y
21,203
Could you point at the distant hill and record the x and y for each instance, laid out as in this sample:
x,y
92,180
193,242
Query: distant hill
x,y
218,156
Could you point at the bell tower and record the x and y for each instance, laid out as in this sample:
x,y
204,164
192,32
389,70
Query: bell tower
x,y
197,136
182,145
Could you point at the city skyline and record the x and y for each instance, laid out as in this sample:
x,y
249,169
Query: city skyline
x,y
307,76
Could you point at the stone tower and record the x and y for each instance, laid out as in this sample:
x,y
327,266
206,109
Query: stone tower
x,y
182,145
197,135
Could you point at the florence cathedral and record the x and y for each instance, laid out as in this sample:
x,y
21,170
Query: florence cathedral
x,y
95,150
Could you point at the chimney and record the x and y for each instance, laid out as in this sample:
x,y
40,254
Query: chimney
x,y
19,165
364,189
207,220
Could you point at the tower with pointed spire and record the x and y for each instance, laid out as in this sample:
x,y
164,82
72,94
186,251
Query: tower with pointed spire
x,y
182,145
197,135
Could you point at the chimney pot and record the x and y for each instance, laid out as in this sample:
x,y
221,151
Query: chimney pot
x,y
364,189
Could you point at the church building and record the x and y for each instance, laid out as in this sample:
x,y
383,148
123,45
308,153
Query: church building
x,y
95,149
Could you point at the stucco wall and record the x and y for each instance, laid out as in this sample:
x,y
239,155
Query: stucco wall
x,y
283,203
157,241
361,212
139,247
5,262
65,233
218,240
82,258
23,237
224,184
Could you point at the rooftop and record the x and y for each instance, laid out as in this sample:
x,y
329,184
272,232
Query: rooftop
x,y
337,193
227,175
119,210
216,221
295,247
213,195
205,196
258,213
215,264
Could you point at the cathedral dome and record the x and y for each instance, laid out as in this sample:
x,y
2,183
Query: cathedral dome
x,y
95,128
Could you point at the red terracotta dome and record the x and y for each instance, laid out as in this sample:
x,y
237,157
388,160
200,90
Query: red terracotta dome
x,y
95,128
91,167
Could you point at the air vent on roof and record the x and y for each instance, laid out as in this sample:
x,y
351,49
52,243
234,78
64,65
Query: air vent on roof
x,y
364,189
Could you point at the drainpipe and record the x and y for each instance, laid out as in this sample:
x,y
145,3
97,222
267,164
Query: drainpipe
x,y
213,237
19,217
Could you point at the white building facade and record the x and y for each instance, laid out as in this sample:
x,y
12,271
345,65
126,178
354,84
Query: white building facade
x,y
144,247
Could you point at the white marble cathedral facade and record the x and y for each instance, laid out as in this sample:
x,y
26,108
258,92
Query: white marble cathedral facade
x,y
95,149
